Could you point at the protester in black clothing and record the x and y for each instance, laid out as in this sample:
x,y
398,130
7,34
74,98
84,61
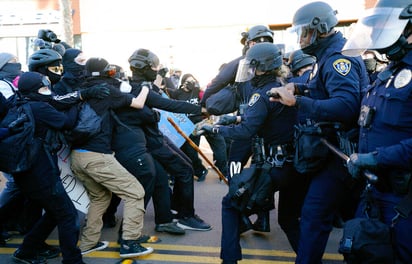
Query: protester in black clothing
x,y
144,66
189,91
93,163
73,62
42,183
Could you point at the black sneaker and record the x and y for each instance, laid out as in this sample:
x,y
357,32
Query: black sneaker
x,y
49,252
20,257
99,246
193,223
130,248
171,228
202,175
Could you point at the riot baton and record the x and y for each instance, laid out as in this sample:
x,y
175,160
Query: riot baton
x,y
193,144
369,175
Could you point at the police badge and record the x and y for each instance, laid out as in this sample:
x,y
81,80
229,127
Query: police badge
x,y
403,78
342,66
253,99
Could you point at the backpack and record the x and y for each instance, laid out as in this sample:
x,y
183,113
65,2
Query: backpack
x,y
225,101
252,189
87,125
366,239
18,151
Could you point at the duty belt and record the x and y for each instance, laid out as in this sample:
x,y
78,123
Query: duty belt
x,y
279,154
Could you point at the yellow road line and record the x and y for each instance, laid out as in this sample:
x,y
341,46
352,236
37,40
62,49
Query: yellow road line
x,y
192,257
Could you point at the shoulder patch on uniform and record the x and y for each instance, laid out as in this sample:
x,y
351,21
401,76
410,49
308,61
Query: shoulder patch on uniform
x,y
253,99
402,78
342,66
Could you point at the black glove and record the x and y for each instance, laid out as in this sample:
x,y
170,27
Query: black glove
x,y
209,129
98,91
227,120
359,162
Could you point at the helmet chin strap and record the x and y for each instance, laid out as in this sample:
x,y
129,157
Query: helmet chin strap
x,y
397,50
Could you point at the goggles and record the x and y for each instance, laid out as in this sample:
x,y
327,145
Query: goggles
x,y
56,69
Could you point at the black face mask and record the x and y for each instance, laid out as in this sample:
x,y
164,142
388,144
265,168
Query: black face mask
x,y
261,80
54,78
398,50
149,74
34,96
370,64
191,85
10,71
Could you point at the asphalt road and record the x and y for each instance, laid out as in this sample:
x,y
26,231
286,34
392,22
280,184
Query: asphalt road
x,y
197,246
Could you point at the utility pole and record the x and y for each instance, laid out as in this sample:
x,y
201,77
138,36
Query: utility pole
x,y
67,21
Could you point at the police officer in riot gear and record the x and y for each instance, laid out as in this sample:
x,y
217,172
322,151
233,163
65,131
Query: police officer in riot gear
x,y
332,95
300,65
386,135
273,122
240,151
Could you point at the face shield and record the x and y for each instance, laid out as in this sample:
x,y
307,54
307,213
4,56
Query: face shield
x,y
245,71
303,34
379,28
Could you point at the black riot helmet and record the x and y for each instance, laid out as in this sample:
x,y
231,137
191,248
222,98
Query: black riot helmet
x,y
314,18
298,60
142,58
259,33
383,28
264,57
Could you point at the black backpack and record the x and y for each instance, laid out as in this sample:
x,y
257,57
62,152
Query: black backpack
x,y
18,151
87,125
366,239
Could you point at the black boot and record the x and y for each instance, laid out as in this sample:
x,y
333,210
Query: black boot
x,y
262,223
245,224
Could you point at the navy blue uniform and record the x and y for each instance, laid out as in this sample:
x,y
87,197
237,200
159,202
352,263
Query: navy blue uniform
x,y
274,123
225,76
390,134
334,94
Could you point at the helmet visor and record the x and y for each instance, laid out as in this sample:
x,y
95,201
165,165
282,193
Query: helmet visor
x,y
245,71
379,28
304,35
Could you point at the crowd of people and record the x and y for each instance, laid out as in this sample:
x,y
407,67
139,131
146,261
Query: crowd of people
x,y
360,86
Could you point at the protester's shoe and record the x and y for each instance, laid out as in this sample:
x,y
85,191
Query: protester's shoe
x,y
229,262
109,220
202,176
193,223
4,237
245,224
262,223
130,248
20,257
49,251
99,246
143,239
171,228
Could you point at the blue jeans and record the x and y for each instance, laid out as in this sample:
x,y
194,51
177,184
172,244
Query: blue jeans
x,y
42,184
